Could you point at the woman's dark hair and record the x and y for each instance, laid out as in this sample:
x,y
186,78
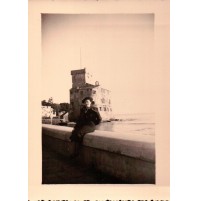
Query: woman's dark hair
x,y
88,98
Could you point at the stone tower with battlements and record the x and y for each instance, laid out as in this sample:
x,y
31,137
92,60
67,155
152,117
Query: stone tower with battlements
x,y
83,85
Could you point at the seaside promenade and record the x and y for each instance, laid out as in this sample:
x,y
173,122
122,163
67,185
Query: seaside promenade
x,y
57,169
104,158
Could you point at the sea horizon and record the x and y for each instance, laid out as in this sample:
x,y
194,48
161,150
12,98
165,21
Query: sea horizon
x,y
132,123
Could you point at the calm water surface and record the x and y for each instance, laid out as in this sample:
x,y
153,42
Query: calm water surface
x,y
131,123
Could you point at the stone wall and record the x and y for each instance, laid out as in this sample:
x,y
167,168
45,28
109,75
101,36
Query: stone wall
x,y
130,158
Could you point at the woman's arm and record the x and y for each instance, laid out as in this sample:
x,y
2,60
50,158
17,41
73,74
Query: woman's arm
x,y
97,118
79,121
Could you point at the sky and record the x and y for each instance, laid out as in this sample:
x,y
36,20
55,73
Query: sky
x,y
117,49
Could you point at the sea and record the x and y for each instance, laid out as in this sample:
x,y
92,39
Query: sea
x,y
139,123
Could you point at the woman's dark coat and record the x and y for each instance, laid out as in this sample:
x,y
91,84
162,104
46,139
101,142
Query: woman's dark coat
x,y
86,123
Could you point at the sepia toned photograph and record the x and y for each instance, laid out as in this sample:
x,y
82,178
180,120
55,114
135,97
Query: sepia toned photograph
x,y
99,100
98,115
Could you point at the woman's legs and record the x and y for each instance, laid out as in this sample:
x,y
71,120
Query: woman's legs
x,y
78,135
84,130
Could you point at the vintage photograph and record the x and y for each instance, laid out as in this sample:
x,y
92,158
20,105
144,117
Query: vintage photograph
x,y
98,98
99,110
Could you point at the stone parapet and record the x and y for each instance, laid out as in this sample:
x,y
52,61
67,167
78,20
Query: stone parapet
x,y
130,158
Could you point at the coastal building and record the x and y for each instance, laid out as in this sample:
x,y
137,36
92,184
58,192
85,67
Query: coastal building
x,y
47,111
83,85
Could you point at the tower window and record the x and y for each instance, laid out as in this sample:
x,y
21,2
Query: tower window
x,y
103,100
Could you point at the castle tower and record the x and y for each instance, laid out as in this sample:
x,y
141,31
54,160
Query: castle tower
x,y
81,78
83,85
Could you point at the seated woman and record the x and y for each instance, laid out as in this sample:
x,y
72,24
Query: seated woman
x,y
89,117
